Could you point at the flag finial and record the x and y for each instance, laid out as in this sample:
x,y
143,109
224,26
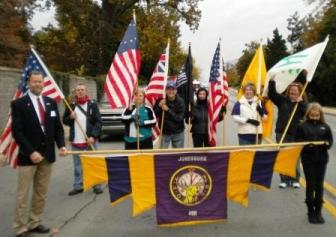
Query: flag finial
x,y
134,16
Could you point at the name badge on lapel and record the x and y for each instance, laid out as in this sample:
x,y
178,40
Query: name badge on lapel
x,y
52,113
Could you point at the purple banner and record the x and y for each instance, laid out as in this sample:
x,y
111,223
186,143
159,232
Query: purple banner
x,y
191,187
262,170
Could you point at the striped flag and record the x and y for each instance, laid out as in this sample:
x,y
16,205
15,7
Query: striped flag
x,y
184,82
157,86
121,79
8,146
225,87
216,93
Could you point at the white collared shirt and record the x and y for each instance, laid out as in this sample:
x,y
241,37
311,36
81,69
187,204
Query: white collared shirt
x,y
33,98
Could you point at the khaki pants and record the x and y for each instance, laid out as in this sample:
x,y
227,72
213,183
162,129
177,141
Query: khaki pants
x,y
39,177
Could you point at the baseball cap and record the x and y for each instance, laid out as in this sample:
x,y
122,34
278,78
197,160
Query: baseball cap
x,y
171,85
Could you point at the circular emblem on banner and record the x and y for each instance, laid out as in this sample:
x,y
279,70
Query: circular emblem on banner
x,y
190,185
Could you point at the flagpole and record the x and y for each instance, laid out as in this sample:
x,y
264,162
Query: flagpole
x,y
60,92
222,78
189,104
224,125
258,87
198,149
293,113
189,121
136,105
161,128
164,91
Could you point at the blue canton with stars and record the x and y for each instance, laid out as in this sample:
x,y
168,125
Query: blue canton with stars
x,y
214,71
32,64
130,40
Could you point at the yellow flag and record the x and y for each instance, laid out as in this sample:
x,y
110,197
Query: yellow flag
x,y
286,161
142,182
256,74
239,174
94,171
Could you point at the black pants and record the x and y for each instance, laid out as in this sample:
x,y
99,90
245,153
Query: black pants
x,y
145,144
314,173
200,140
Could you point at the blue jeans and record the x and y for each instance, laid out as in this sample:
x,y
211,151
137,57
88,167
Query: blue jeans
x,y
249,139
78,173
285,178
177,140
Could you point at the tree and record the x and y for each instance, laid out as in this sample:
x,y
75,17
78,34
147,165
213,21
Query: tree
x,y
185,10
14,31
88,34
321,25
276,49
74,45
245,60
295,26
232,75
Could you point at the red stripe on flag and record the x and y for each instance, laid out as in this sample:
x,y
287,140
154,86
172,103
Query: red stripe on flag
x,y
109,96
134,67
138,61
115,85
47,83
49,92
120,77
130,70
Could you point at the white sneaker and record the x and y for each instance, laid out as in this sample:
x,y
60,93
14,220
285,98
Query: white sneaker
x,y
296,185
282,185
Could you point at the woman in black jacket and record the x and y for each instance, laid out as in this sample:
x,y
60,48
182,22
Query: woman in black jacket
x,y
286,104
199,119
314,158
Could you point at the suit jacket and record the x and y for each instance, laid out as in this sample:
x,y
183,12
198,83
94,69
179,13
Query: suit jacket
x,y
28,133
93,120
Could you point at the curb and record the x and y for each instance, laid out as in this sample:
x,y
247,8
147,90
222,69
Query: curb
x,y
329,110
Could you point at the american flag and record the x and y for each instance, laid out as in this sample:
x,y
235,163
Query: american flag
x,y
121,79
8,146
157,84
216,93
225,87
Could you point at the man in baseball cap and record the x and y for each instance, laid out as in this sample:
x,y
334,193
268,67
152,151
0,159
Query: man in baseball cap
x,y
173,124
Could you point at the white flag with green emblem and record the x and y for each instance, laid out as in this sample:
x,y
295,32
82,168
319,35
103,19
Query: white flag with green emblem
x,y
288,68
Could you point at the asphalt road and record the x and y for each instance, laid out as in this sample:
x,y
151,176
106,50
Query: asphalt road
x,y
275,213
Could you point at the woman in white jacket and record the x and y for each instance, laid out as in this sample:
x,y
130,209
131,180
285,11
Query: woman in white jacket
x,y
248,112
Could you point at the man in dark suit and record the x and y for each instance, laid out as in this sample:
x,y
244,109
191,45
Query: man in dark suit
x,y
36,127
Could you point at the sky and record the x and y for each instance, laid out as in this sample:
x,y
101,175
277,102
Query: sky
x,y
235,22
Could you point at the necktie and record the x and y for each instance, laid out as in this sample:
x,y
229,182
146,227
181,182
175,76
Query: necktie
x,y
41,111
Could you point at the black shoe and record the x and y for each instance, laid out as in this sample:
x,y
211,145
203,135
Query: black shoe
x,y
25,234
40,229
75,192
312,219
320,219
98,191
